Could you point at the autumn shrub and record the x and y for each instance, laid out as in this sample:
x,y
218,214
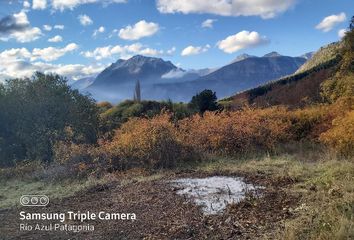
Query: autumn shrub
x,y
341,136
80,159
104,107
309,123
114,116
342,106
154,143
236,132
22,170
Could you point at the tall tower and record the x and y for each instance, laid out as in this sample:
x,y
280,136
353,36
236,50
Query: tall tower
x,y
137,92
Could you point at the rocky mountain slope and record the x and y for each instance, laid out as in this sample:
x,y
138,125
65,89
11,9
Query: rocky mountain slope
x,y
82,83
299,89
324,54
237,76
162,80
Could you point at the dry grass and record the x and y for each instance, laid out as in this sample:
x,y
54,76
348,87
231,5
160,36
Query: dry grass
x,y
326,208
324,181
12,190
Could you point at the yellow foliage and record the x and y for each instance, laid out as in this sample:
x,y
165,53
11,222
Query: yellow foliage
x,y
341,135
161,142
340,85
236,132
310,122
80,159
148,142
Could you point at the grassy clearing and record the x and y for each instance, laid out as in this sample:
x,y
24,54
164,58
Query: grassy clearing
x,y
329,197
12,190
325,182
326,209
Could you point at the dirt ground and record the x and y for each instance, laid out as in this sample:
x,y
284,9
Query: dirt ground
x,y
162,214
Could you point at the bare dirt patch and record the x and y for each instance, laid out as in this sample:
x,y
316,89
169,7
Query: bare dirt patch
x,y
162,214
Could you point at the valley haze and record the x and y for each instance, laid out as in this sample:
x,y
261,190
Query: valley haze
x,y
162,80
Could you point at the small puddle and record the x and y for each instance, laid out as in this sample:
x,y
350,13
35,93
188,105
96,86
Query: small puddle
x,y
213,194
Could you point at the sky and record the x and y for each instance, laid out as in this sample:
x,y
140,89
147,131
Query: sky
x,y
79,38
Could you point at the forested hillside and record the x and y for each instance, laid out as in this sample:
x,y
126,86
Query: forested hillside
x,y
327,76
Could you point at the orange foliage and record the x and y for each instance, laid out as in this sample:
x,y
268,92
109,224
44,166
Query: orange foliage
x,y
81,159
237,132
341,135
148,142
310,122
160,142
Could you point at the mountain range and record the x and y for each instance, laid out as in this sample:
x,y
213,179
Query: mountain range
x,y
296,90
161,80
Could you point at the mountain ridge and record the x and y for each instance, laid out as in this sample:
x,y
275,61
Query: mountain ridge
x,y
135,68
235,76
161,80
297,90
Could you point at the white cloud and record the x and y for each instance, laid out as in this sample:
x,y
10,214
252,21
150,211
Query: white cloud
x,y
20,62
71,4
55,39
28,35
125,51
60,27
21,18
174,73
342,32
47,28
241,40
26,4
21,30
97,31
51,53
263,8
15,69
75,71
39,4
46,54
15,54
171,51
128,50
328,23
208,23
99,53
151,52
191,50
21,69
139,30
85,20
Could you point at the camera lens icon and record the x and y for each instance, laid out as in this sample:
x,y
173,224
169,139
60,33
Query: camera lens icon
x,y
25,200
34,200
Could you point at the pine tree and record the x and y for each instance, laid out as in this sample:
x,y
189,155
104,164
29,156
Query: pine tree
x,y
137,92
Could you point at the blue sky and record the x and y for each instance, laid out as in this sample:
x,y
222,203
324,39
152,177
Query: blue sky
x,y
170,29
